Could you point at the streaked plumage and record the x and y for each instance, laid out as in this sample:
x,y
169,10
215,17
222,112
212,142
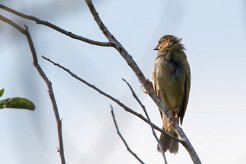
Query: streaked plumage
x,y
171,77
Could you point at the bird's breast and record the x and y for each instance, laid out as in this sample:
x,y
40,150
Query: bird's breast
x,y
170,80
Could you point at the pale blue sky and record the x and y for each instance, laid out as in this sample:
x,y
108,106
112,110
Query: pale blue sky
x,y
214,34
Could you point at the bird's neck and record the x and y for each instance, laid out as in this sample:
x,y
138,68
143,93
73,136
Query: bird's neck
x,y
163,53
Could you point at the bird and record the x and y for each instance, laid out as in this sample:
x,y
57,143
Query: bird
x,y
171,82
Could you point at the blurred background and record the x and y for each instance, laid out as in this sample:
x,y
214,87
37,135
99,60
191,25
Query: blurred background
x,y
214,34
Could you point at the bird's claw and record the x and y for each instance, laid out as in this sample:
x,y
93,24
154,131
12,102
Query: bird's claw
x,y
172,121
146,84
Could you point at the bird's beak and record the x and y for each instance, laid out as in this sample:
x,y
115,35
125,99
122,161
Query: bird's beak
x,y
156,48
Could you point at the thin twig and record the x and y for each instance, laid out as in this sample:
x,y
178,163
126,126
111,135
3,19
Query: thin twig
x,y
13,24
111,98
59,29
145,83
142,106
147,115
121,137
46,80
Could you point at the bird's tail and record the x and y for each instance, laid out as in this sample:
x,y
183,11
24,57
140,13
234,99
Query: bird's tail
x,y
168,143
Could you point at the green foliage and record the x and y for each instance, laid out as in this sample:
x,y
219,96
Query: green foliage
x,y
1,92
16,102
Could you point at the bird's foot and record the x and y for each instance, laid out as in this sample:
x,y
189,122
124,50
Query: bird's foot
x,y
172,121
146,84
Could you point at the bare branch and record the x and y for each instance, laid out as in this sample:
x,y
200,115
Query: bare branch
x,y
145,83
142,106
13,24
121,137
46,80
128,58
112,98
146,114
59,29
113,42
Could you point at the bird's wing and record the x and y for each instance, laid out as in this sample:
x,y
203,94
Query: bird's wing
x,y
186,96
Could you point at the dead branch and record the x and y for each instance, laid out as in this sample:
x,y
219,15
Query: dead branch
x,y
56,28
126,108
146,114
121,137
25,32
113,42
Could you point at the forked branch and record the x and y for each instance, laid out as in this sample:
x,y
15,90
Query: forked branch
x,y
126,108
122,138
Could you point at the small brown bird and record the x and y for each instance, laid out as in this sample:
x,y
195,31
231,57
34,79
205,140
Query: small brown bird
x,y
171,78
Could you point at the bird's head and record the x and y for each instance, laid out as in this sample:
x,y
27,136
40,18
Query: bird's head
x,y
169,43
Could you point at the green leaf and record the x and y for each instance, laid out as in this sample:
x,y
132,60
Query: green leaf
x,y
1,92
17,102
